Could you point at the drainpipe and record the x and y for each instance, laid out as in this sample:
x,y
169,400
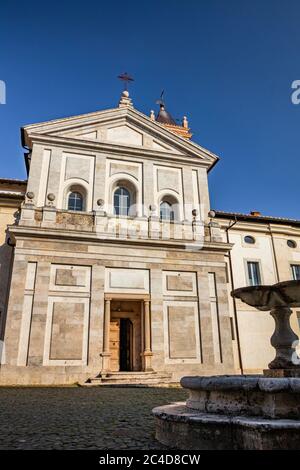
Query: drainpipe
x,y
274,253
233,298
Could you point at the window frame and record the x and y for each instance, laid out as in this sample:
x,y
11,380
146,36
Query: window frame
x,y
77,192
175,207
258,262
293,242
249,237
171,211
292,266
129,195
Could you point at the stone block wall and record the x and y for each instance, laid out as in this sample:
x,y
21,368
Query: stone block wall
x,y
54,331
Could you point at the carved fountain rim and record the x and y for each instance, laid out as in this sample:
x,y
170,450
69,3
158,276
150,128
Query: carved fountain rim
x,y
266,297
226,383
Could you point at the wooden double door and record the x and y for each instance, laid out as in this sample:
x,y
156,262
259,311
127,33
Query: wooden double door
x,y
121,345
125,339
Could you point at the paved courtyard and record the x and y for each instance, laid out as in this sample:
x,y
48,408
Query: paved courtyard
x,y
81,418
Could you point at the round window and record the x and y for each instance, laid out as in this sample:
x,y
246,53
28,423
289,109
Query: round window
x,y
291,243
249,239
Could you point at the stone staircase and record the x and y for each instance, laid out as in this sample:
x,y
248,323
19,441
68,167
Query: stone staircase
x,y
130,379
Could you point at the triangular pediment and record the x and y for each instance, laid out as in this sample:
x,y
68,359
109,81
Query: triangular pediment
x,y
119,131
122,127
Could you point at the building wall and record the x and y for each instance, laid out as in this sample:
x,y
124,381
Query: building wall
x,y
54,170
11,196
66,264
54,329
6,218
256,328
55,318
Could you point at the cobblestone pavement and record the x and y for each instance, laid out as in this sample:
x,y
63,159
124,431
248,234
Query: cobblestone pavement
x,y
81,418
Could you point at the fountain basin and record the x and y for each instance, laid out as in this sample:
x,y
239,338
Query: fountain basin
x,y
182,428
265,298
278,299
244,395
259,412
233,412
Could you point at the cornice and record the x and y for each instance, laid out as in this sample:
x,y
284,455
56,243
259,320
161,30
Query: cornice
x,y
132,115
116,149
56,123
81,236
261,227
14,202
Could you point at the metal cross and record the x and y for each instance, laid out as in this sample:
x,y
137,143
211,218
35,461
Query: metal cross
x,y
126,79
161,101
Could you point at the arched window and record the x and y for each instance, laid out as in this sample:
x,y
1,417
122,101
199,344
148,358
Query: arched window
x,y
121,201
166,211
75,201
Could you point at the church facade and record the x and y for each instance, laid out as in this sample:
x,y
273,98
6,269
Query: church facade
x,y
115,264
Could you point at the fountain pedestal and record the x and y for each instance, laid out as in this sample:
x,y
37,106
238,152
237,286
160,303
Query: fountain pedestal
x,y
283,340
244,412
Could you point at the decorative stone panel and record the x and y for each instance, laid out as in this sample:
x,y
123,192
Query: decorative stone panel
x,y
168,178
38,216
179,283
124,167
70,278
78,167
27,313
215,320
181,329
67,331
127,280
66,336
71,218
124,135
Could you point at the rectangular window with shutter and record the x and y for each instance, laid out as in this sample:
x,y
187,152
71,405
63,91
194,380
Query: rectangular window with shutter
x,y
296,271
253,271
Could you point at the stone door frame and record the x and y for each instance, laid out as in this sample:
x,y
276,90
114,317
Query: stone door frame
x,y
145,326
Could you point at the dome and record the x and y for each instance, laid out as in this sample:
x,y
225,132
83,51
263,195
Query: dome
x,y
164,117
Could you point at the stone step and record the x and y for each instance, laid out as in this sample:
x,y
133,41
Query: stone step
x,y
132,385
141,381
130,379
135,375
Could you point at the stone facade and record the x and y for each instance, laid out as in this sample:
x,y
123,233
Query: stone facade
x,y
95,291
87,284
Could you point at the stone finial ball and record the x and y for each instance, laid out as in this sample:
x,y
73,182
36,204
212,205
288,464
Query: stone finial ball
x,y
152,207
100,202
51,197
125,93
30,195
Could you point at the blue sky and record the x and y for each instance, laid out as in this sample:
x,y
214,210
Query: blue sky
x,y
228,65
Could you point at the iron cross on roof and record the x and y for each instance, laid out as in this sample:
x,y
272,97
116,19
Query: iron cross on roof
x,y
161,100
126,79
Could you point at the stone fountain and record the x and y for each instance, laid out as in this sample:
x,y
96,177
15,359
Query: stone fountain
x,y
244,412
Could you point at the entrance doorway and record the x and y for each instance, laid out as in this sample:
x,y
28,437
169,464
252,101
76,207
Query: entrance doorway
x,y
126,331
125,336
